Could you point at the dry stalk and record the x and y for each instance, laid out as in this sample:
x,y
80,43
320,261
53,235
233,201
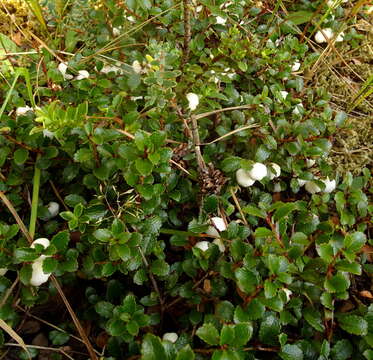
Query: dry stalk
x,y
187,31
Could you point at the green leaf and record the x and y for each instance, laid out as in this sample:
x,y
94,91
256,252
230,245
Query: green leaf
x,y
262,232
20,156
160,268
253,210
117,227
368,354
355,241
225,355
255,309
353,268
186,353
129,304
342,350
25,274
340,118
58,337
313,317
24,254
49,265
354,324
144,167
327,300
61,240
102,235
270,289
337,283
243,333
104,309
208,334
224,310
231,163
246,280
269,330
117,327
227,335
284,210
133,327
152,348
326,252
291,352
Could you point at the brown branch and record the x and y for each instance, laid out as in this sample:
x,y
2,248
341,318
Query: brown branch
x,y
197,149
251,297
13,140
273,228
152,279
187,31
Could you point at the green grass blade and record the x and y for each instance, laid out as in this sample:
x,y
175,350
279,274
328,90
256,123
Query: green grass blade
x,y
35,199
365,91
36,9
9,94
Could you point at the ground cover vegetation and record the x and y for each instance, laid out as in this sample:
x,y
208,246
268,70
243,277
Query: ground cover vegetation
x,y
177,180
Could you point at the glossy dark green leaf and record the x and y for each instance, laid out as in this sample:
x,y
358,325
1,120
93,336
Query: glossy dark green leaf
x,y
20,156
291,352
354,324
160,267
186,353
208,334
61,240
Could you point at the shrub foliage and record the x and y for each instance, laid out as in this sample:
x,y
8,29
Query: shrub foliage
x,y
141,178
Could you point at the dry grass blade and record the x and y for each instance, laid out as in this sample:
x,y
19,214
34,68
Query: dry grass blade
x,y
238,206
54,280
14,336
231,133
240,107
20,223
8,292
43,348
75,319
36,9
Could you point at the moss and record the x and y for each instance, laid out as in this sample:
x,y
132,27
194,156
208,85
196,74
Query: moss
x,y
16,13
353,145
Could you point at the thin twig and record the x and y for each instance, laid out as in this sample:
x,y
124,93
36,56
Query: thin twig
x,y
231,133
273,228
180,167
20,223
196,141
75,319
52,326
174,302
8,292
240,107
56,192
238,207
154,282
29,148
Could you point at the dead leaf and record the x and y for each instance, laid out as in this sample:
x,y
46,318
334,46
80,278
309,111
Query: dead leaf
x,y
17,38
207,286
366,294
40,340
102,339
30,327
368,251
347,306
